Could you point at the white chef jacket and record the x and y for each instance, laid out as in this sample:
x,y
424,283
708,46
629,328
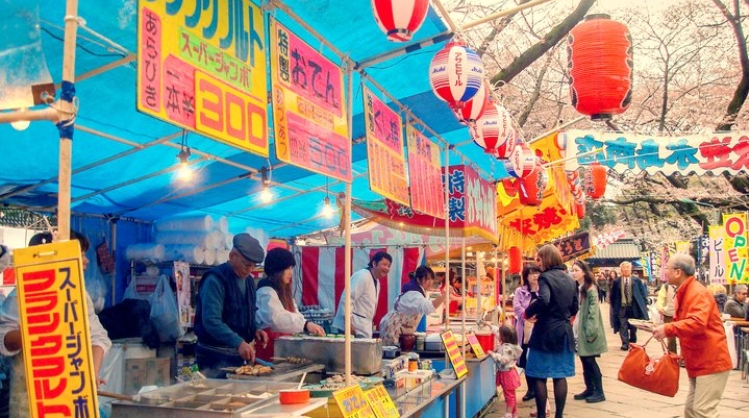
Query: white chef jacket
x,y
271,313
365,292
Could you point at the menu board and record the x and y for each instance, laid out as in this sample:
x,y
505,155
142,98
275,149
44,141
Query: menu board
x,y
478,350
453,352
353,403
381,403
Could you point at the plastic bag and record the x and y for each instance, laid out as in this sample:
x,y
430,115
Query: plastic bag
x,y
164,311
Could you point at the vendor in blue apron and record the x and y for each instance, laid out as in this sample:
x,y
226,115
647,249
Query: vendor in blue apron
x,y
410,306
225,313
277,313
365,292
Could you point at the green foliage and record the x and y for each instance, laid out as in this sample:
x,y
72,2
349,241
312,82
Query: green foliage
x,y
597,216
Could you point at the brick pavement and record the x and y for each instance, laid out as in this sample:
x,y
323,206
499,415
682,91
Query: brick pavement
x,y
623,400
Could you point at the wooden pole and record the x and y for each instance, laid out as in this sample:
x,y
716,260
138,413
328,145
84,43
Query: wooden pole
x,y
502,13
66,144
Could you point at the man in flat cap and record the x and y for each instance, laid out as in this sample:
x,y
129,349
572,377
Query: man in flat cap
x,y
225,314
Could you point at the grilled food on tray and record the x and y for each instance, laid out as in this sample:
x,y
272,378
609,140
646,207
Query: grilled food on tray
x,y
253,370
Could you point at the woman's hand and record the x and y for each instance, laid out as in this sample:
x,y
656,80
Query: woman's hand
x,y
315,329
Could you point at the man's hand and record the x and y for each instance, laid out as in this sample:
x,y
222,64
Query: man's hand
x,y
246,351
261,337
659,333
315,329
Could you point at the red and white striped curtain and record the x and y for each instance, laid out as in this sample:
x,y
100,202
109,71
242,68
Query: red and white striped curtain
x,y
321,270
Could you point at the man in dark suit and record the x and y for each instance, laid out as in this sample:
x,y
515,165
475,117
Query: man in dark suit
x,y
629,296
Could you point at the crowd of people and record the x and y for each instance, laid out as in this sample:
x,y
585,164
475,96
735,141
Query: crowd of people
x,y
558,317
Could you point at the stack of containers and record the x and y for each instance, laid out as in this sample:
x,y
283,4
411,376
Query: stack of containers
x,y
193,239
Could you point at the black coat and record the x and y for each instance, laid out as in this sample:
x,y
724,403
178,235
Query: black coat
x,y
639,300
556,304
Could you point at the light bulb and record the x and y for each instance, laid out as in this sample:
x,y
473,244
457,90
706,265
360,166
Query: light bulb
x,y
327,209
266,196
184,172
21,125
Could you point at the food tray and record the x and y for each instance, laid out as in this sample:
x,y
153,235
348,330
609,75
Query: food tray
x,y
366,353
211,397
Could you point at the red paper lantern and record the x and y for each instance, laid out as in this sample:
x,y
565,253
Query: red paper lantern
x,y
516,260
456,74
600,65
580,210
474,109
504,151
400,19
533,186
595,181
493,128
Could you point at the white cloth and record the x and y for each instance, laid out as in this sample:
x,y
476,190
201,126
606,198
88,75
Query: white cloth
x,y
271,313
364,296
9,322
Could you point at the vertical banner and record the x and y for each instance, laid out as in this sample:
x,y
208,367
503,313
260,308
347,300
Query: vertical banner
x,y
425,174
387,164
202,67
182,279
665,255
310,121
473,203
717,254
53,315
734,226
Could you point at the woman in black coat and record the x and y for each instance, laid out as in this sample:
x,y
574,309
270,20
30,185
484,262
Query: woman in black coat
x,y
552,345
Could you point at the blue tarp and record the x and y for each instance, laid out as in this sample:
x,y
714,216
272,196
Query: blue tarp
x,y
112,177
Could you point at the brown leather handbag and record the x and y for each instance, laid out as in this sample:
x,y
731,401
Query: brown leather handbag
x,y
659,376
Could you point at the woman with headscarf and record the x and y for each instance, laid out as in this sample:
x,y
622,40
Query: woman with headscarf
x,y
591,337
551,352
412,304
277,313
524,295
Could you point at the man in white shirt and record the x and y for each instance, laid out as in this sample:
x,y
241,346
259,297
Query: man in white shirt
x,y
365,292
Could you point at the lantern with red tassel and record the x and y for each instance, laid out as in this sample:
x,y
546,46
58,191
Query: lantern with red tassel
x,y
400,19
504,151
474,109
456,73
600,65
595,181
515,260
492,129
580,210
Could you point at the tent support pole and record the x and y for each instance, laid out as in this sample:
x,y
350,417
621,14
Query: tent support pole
x,y
347,232
463,322
501,14
66,144
448,285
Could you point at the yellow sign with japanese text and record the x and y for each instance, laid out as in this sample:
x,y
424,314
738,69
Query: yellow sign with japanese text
x,y
352,402
453,352
381,403
202,66
309,117
53,316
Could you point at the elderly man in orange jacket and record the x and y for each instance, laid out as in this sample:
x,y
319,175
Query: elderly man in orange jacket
x,y
698,325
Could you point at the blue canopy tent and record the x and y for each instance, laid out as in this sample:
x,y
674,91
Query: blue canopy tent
x,y
123,161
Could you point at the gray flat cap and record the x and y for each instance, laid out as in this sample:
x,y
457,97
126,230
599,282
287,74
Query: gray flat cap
x,y
249,247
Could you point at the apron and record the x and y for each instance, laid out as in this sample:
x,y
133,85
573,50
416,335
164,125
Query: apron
x,y
266,353
394,324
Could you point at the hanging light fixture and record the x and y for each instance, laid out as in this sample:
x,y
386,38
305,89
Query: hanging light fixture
x,y
184,172
327,208
20,125
266,196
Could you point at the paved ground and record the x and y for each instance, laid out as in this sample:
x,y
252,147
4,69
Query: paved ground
x,y
623,400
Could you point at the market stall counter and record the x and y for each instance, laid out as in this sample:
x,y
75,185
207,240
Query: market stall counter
x,y
213,397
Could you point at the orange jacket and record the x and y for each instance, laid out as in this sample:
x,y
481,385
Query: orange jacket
x,y
698,325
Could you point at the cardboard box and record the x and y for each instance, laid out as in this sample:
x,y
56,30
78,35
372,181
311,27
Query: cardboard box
x,y
145,372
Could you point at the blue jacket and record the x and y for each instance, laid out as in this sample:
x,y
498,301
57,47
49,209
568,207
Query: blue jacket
x,y
219,295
